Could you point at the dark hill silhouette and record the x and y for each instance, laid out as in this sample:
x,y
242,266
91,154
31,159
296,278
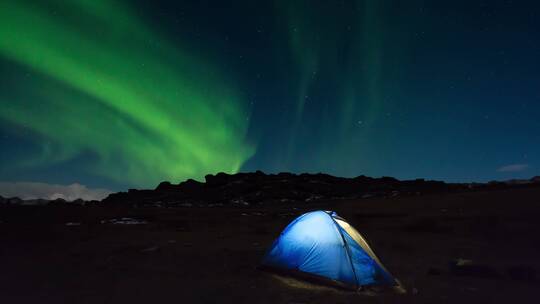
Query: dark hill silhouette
x,y
259,188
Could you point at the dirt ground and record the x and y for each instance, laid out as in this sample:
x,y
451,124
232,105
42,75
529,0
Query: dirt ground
x,y
210,255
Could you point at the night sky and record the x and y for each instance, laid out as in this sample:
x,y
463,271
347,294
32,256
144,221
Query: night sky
x,y
123,94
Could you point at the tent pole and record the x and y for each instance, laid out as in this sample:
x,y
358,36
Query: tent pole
x,y
346,249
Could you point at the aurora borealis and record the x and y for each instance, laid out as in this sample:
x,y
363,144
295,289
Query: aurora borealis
x,y
116,94
118,91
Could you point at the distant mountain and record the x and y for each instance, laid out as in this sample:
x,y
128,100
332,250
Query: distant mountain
x,y
534,180
15,201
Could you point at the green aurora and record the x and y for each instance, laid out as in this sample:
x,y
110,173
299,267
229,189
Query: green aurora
x,y
116,94
317,40
108,85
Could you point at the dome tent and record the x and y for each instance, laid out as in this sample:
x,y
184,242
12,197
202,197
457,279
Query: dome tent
x,y
321,245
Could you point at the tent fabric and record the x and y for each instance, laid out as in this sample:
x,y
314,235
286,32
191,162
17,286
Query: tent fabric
x,y
323,244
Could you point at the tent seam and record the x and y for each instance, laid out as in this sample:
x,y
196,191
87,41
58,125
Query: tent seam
x,y
346,249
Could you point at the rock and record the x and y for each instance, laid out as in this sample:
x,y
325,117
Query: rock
x,y
463,262
58,202
165,186
78,202
216,180
124,221
246,189
150,249
190,184
463,267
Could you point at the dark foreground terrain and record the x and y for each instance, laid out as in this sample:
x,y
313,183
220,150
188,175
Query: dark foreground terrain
x,y
89,254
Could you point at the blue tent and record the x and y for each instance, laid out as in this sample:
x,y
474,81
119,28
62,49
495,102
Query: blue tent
x,y
323,245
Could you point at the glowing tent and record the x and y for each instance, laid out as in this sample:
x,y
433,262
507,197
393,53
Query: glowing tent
x,y
321,245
